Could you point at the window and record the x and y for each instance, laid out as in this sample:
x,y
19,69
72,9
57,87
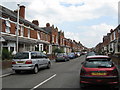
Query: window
x,y
53,38
99,64
18,30
38,34
21,55
56,39
22,31
46,37
28,33
8,27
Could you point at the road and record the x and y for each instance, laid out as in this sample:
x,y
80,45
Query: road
x,y
60,75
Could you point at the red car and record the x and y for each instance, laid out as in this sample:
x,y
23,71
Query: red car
x,y
99,70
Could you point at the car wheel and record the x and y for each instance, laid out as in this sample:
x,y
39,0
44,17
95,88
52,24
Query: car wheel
x,y
35,70
82,86
17,71
65,59
48,65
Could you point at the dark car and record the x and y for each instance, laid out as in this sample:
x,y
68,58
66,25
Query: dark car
x,y
62,57
99,70
71,55
90,54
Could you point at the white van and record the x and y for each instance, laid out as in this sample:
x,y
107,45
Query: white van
x,y
30,60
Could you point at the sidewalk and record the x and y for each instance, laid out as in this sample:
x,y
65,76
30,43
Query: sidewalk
x,y
7,71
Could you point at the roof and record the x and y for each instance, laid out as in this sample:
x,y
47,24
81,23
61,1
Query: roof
x,y
47,29
13,15
21,39
98,56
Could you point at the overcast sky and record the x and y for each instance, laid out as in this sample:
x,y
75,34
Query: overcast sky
x,y
86,21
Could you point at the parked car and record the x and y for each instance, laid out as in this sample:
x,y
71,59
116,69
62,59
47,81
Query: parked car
x,y
30,60
90,54
71,55
62,57
99,70
78,54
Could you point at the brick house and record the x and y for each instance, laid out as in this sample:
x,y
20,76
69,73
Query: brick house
x,y
115,40
30,35
106,41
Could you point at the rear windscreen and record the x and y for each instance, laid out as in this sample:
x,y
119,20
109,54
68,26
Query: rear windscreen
x,y
97,59
21,55
98,64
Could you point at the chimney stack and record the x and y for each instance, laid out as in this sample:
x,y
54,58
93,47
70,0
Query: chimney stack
x,y
22,11
47,24
35,22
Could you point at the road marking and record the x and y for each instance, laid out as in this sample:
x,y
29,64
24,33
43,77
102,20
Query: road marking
x,y
5,75
43,82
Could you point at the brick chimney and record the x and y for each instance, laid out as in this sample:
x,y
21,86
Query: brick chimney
x,y
22,11
47,24
35,22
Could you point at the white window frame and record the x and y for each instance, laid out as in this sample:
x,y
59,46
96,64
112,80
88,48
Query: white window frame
x,y
53,38
38,34
7,29
28,33
22,31
18,30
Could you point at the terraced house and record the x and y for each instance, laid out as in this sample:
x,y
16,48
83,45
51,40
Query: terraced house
x,y
31,37
111,42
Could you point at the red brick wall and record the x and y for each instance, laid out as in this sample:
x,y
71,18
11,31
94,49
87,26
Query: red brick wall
x,y
33,34
25,32
12,31
3,25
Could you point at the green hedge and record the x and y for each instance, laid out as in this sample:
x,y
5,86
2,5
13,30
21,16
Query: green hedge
x,y
6,54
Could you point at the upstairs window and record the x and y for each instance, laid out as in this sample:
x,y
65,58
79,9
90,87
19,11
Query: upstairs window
x,y
28,33
38,34
22,31
53,39
7,29
18,30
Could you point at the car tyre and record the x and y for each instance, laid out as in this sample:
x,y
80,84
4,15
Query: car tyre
x,y
35,70
82,86
17,71
48,65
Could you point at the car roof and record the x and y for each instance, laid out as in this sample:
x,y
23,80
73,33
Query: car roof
x,y
98,56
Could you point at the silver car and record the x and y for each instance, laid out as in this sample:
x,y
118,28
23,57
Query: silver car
x,y
24,61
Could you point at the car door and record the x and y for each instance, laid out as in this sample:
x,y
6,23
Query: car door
x,y
45,59
41,59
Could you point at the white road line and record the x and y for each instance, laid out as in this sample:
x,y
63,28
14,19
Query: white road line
x,y
5,75
43,82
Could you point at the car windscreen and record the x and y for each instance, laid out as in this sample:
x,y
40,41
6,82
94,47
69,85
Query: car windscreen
x,y
98,59
60,54
22,55
98,64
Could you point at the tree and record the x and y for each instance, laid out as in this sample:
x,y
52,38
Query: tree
x,y
57,50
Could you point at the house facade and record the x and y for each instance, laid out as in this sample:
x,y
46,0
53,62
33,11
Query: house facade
x,y
111,42
30,36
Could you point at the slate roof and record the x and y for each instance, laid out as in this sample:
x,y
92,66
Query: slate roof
x,y
22,40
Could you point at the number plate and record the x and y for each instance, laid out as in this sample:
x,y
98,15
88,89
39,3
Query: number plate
x,y
98,73
20,61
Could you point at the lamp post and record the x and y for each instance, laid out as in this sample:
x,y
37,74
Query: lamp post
x,y
17,27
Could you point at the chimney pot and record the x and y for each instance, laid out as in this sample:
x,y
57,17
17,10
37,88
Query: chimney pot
x,y
47,24
35,22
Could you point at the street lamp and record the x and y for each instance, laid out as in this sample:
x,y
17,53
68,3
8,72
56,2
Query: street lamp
x,y
17,27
